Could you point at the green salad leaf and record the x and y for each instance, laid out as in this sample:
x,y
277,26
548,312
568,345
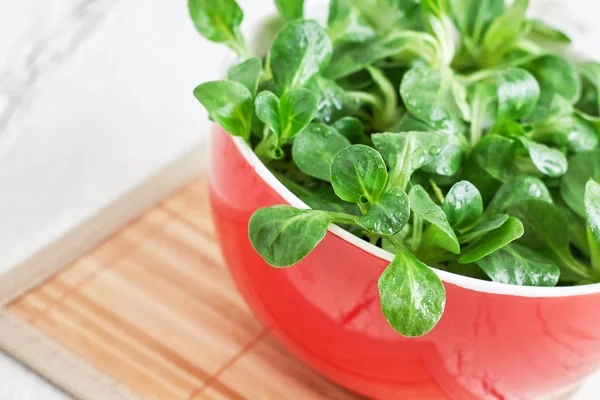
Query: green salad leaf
x,y
284,235
358,174
515,264
290,9
412,296
219,21
229,104
389,214
315,147
293,66
582,167
247,73
422,205
463,205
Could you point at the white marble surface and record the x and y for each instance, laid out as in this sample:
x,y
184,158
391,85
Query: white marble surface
x,y
95,97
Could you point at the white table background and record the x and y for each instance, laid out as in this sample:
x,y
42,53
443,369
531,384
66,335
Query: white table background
x,y
96,97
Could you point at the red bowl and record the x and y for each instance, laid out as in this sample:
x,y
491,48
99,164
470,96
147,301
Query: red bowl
x,y
494,341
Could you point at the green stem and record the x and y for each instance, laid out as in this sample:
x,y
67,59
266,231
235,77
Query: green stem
x,y
267,74
476,76
387,112
236,43
341,218
373,238
579,269
437,191
475,126
264,149
364,97
396,242
363,208
417,232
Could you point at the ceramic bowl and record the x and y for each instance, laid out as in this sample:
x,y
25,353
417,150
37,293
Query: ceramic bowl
x,y
494,341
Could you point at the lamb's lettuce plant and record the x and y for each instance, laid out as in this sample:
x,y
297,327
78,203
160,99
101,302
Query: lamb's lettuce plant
x,y
456,140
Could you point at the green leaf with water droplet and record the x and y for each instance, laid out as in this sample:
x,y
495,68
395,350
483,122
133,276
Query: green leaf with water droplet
x,y
219,21
510,231
592,209
517,92
422,205
546,228
345,24
463,205
352,129
247,73
590,98
294,66
570,132
556,74
406,152
284,235
333,102
290,9
358,174
539,31
491,162
286,116
519,265
503,32
267,110
229,104
405,45
314,148
582,167
427,94
549,161
412,295
487,223
519,188
389,214
296,109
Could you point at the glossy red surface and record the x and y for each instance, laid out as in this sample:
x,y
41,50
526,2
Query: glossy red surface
x,y
326,310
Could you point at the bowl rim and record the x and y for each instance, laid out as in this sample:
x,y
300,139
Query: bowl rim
x,y
461,281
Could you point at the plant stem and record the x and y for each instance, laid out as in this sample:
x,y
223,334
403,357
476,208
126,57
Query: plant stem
x,y
396,242
387,112
475,125
579,269
341,218
364,97
476,76
363,208
437,191
265,147
237,44
417,233
267,74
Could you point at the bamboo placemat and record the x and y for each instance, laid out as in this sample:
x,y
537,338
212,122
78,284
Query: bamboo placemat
x,y
152,313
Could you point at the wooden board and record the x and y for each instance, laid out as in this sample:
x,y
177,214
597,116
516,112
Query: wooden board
x,y
153,308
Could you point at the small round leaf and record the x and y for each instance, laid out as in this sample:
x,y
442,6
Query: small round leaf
x,y
412,296
300,51
229,104
389,214
358,174
284,235
463,205
314,148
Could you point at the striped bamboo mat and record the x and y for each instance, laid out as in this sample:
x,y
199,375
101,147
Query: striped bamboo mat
x,y
154,309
